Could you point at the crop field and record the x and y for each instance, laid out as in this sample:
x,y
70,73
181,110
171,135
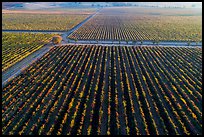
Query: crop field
x,y
75,11
140,26
17,46
86,89
151,11
56,22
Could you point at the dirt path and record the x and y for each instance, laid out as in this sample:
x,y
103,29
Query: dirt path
x,y
19,66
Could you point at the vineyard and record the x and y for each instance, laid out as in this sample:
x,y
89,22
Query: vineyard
x,y
57,22
140,24
17,46
102,90
70,11
151,11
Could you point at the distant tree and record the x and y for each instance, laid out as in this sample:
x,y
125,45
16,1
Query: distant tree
x,y
134,41
193,5
157,42
141,42
127,41
196,43
75,40
189,43
56,39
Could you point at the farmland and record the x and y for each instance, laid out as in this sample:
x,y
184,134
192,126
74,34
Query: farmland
x,y
120,69
33,21
17,46
75,11
83,89
134,24
151,11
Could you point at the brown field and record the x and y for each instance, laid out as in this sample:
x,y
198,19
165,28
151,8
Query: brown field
x,y
57,11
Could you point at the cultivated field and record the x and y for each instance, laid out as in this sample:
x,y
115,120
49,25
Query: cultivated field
x,y
107,90
17,46
134,24
33,21
151,11
82,11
